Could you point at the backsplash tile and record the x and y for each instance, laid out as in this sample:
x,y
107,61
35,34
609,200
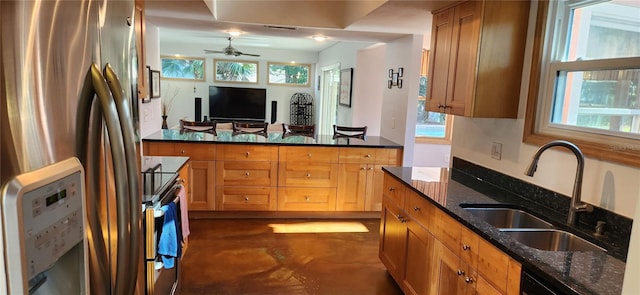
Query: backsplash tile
x,y
556,206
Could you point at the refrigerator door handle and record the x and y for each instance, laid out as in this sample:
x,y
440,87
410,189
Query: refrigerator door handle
x,y
135,198
96,85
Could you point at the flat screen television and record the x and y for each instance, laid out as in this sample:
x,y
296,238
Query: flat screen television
x,y
228,104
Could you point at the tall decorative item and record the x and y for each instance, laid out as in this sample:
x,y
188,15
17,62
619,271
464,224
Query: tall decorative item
x,y
166,104
301,109
164,122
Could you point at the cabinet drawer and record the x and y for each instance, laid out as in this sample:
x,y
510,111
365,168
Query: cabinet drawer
x,y
306,199
196,151
239,152
447,230
419,209
308,174
364,155
468,246
246,198
159,148
308,154
246,173
394,190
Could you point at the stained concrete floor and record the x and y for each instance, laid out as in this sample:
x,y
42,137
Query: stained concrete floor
x,y
245,257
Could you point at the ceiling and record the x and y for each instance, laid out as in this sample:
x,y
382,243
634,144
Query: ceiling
x,y
288,24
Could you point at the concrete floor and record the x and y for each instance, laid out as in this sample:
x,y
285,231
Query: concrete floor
x,y
245,256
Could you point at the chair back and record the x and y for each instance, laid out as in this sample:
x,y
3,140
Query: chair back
x,y
298,130
353,132
250,128
192,126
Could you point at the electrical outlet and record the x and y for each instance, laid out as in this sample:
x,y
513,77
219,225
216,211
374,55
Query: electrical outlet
x,y
496,150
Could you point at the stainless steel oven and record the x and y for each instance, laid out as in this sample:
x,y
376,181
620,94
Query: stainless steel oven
x,y
161,189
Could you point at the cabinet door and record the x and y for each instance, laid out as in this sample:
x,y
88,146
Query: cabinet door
x,y
464,58
439,59
202,185
373,196
352,185
246,198
308,174
392,240
306,199
240,173
448,277
418,260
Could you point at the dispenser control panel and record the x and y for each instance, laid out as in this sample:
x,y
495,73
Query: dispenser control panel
x,y
43,219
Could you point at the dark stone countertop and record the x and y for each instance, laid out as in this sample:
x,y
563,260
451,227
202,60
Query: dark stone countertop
x,y
571,272
169,164
273,137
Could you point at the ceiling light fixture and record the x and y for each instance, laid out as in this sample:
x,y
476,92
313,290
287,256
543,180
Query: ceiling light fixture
x,y
234,33
319,38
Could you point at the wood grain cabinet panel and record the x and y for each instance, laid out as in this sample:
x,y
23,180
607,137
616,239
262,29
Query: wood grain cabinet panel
x,y
202,185
159,149
196,151
306,199
246,152
308,154
229,198
310,174
236,173
470,75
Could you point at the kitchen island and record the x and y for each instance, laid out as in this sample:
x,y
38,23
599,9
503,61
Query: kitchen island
x,y
250,172
427,233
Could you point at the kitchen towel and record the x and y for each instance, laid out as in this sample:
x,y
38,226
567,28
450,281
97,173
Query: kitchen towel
x,y
184,213
169,246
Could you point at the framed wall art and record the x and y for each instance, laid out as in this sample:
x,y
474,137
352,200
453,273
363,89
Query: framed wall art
x,y
346,77
154,83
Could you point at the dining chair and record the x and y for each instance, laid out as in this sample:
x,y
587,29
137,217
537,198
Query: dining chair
x,y
259,128
192,126
353,132
298,130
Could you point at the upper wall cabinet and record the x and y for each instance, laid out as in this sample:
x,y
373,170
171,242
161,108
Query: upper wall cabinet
x,y
477,52
140,48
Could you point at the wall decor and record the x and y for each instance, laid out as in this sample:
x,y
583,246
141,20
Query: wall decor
x,y
394,78
183,68
236,71
288,74
346,76
154,83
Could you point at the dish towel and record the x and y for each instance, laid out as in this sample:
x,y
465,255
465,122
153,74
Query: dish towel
x,y
184,213
169,246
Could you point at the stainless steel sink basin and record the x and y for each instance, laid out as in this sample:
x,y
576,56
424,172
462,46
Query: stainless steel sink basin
x,y
508,217
551,240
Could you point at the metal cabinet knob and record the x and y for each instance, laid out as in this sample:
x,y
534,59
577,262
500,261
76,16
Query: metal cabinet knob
x,y
246,174
460,272
246,199
465,247
247,154
392,189
416,208
308,174
307,198
309,155
367,156
468,280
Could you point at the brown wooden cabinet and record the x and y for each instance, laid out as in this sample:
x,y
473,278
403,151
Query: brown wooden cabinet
x,y
360,177
476,58
428,252
246,178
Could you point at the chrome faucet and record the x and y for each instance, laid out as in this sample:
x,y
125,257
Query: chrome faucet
x,y
576,205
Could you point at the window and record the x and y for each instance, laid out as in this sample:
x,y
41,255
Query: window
x,y
431,127
236,71
289,74
589,70
183,68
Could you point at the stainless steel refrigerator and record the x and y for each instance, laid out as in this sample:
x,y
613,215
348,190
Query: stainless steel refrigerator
x,y
67,86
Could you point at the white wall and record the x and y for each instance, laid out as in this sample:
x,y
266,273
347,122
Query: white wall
x,y
183,105
368,85
150,116
397,103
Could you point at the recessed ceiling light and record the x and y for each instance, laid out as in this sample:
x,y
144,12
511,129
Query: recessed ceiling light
x,y
234,33
319,38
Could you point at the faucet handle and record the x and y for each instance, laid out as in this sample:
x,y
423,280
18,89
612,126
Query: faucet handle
x,y
600,228
584,207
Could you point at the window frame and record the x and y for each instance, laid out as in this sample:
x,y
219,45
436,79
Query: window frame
x,y
184,58
612,148
215,70
308,66
448,127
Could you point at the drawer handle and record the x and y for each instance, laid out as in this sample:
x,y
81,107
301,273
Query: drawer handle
x,y
246,174
465,247
468,280
392,189
367,156
308,174
460,272
307,198
370,168
362,168
182,151
416,208
309,155
246,199
247,154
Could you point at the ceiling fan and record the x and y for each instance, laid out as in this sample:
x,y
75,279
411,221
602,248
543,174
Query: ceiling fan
x,y
230,50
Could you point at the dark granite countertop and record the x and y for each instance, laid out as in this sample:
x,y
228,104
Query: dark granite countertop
x,y
571,272
169,164
273,137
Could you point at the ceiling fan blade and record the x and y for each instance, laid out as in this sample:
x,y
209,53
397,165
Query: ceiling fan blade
x,y
248,54
212,51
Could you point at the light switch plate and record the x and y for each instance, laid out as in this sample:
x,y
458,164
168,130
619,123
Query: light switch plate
x,y
496,150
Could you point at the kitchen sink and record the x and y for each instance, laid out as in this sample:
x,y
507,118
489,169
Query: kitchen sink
x,y
551,240
507,217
